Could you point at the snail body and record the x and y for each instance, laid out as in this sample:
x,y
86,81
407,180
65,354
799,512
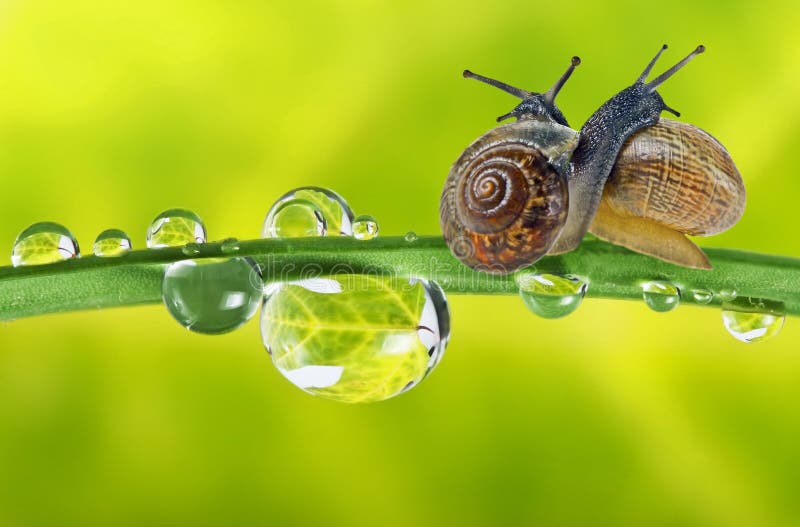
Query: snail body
x,y
632,179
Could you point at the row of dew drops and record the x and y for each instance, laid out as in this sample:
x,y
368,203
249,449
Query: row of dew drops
x,y
385,348
747,319
217,295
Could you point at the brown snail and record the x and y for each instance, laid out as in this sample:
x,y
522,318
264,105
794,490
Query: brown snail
x,y
535,186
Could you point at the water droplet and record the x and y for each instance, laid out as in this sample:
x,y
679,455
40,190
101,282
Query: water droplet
x,y
411,236
212,295
308,211
191,249
229,246
297,219
365,228
753,319
727,294
549,295
111,242
176,227
702,296
355,338
43,243
661,296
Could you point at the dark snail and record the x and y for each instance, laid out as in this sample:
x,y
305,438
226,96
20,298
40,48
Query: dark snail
x,y
535,187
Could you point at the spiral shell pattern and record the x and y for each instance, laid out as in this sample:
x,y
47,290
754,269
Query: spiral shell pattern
x,y
503,203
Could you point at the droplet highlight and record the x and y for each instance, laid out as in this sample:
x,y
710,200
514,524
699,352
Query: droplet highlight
x,y
411,237
753,319
365,227
550,295
661,296
308,212
175,227
212,296
355,338
111,242
43,243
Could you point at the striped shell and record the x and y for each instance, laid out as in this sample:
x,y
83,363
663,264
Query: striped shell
x,y
679,176
505,200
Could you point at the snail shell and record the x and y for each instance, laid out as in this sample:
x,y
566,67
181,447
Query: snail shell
x,y
670,179
505,199
679,176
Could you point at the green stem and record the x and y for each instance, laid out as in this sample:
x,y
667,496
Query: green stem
x,y
612,272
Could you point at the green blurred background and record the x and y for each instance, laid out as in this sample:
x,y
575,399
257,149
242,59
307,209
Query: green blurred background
x,y
111,112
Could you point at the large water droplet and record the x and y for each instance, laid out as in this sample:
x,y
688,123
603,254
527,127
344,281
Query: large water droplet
x,y
661,296
411,237
753,319
702,296
365,227
549,295
308,211
355,338
43,243
212,295
176,227
111,242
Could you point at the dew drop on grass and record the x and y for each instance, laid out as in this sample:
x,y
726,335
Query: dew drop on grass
x,y
728,295
702,296
175,227
43,243
411,236
111,242
296,219
213,295
307,212
549,295
365,227
229,246
753,319
661,296
355,338
191,249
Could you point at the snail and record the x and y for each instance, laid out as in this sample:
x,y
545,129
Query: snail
x,y
536,186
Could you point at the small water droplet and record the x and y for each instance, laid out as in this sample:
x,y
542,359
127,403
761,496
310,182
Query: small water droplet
x,y
176,227
191,249
702,296
549,295
229,246
355,338
306,212
753,319
212,295
661,296
726,295
411,236
365,227
43,243
111,242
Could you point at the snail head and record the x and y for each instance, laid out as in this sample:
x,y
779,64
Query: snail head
x,y
534,105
